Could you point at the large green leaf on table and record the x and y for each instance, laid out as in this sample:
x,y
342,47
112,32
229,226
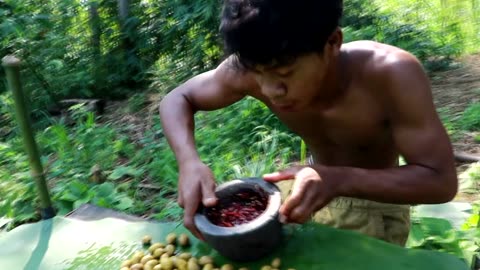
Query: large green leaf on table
x,y
62,243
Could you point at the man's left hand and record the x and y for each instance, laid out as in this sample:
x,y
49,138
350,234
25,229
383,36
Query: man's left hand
x,y
309,193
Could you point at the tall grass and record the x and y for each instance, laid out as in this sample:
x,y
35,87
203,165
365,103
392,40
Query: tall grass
x,y
448,21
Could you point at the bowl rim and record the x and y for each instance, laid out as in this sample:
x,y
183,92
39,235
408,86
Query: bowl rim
x,y
206,227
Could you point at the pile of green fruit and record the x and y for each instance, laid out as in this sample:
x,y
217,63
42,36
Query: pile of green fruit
x,y
165,256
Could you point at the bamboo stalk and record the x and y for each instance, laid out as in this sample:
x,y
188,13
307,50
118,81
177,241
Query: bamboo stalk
x,y
12,69
303,152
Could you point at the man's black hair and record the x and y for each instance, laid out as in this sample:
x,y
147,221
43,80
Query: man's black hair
x,y
276,32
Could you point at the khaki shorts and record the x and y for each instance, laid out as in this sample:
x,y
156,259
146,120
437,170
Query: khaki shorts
x,y
388,222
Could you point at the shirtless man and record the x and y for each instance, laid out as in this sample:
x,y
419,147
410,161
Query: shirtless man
x,y
358,107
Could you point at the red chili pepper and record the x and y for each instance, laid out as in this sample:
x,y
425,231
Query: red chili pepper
x,y
243,207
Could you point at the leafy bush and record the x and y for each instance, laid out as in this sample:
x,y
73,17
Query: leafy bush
x,y
17,189
439,235
7,117
85,49
246,133
469,180
470,119
81,49
90,162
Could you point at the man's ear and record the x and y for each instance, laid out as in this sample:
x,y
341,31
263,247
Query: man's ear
x,y
334,42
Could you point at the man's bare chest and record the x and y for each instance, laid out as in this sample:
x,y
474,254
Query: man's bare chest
x,y
356,122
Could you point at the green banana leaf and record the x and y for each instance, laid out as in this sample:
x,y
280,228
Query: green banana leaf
x,y
64,243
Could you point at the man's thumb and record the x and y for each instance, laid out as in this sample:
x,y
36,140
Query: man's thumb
x,y
278,176
208,196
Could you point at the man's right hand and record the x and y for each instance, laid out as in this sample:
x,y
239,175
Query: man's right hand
x,y
196,185
211,90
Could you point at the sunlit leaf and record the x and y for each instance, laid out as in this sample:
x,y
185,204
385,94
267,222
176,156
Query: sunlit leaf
x,y
122,171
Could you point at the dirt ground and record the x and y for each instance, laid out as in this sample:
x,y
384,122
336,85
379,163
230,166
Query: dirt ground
x,y
454,90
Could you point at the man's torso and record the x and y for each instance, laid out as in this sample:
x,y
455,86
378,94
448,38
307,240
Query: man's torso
x,y
354,128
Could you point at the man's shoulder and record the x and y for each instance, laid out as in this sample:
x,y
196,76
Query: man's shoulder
x,y
230,72
382,60
383,66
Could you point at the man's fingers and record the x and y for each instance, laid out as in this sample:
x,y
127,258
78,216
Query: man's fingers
x,y
304,210
295,198
208,194
189,223
299,215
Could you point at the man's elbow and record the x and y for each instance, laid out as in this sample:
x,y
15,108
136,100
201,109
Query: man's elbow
x,y
449,189
172,99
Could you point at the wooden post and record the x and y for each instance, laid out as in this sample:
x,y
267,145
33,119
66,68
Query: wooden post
x,y
12,69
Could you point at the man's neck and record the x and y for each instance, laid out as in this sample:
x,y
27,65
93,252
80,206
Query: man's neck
x,y
335,83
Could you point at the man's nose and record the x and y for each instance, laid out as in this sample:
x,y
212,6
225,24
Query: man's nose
x,y
274,90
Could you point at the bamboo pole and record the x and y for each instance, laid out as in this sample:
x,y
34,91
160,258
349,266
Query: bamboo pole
x,y
12,69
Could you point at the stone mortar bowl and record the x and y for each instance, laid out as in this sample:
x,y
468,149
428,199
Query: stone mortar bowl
x,y
249,241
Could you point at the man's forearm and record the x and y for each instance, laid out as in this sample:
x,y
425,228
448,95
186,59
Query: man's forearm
x,y
410,184
177,120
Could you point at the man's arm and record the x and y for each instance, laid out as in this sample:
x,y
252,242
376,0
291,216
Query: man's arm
x,y
209,91
429,176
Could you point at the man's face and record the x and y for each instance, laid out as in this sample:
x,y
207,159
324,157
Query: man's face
x,y
294,86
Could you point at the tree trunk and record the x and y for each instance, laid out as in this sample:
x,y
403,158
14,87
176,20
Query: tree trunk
x,y
94,20
95,25
128,44
123,8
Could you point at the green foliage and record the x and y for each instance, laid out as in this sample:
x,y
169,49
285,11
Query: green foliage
x,y
470,179
74,48
75,193
78,49
96,163
87,145
136,102
245,134
433,33
477,138
470,119
438,234
7,123
452,24
17,188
